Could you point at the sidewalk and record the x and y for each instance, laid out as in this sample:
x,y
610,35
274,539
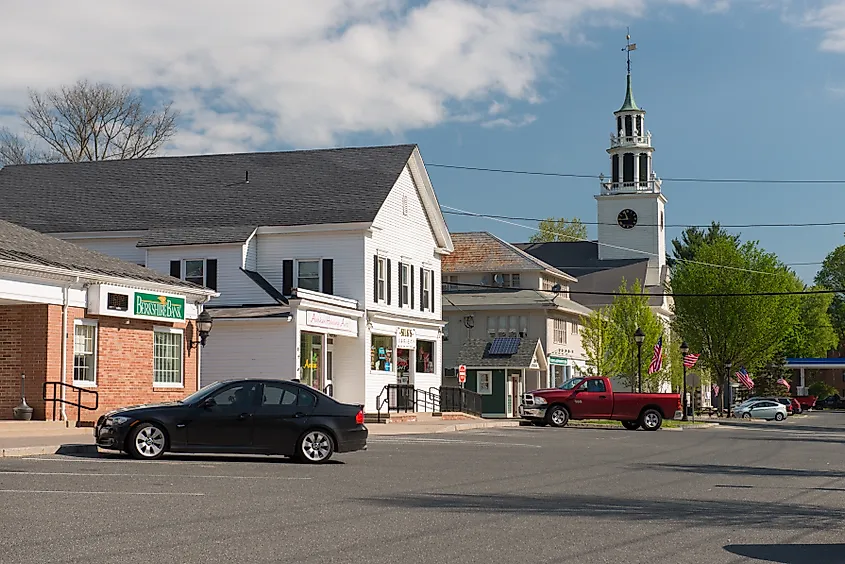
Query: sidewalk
x,y
17,439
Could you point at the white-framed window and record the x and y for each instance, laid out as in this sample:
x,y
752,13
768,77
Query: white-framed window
x,y
382,279
484,383
406,284
523,326
559,336
308,274
575,328
168,368
84,352
426,289
492,325
194,271
448,282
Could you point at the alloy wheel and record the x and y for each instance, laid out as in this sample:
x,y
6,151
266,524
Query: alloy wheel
x,y
316,446
149,441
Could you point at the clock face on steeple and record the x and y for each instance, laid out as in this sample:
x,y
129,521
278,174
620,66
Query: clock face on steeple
x,y
627,219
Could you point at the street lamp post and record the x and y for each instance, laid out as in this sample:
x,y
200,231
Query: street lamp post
x,y
639,337
684,351
727,390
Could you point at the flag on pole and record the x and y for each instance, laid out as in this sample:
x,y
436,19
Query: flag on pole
x,y
690,360
784,383
744,378
657,360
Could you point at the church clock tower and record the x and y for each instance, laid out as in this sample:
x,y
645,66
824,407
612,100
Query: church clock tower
x,y
631,222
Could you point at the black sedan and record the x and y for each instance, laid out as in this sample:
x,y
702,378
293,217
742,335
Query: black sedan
x,y
239,416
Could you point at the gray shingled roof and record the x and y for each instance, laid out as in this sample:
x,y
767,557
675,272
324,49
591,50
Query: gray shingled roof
x,y
196,235
515,298
22,245
345,185
249,312
475,354
577,258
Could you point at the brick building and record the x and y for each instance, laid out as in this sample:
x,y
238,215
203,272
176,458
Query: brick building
x,y
129,333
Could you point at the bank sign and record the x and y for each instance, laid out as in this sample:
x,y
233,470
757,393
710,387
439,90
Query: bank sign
x,y
163,307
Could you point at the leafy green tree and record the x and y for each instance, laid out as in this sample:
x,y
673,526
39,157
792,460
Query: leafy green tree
x,y
832,275
766,378
745,330
629,311
693,238
559,229
821,389
813,334
597,338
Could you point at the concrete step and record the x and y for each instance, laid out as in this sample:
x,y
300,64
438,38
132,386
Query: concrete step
x,y
37,428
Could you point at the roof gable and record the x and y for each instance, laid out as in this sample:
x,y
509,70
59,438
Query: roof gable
x,y
347,185
481,251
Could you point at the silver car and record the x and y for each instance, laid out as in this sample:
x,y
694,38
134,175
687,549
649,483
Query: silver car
x,y
761,409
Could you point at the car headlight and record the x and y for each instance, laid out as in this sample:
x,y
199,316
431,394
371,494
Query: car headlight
x,y
539,401
117,420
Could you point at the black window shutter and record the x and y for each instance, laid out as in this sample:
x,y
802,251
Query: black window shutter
x,y
411,291
176,268
328,276
401,285
431,292
388,281
422,289
287,277
211,273
375,278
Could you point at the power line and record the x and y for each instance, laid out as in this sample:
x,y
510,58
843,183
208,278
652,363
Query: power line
x,y
676,225
662,294
646,253
596,176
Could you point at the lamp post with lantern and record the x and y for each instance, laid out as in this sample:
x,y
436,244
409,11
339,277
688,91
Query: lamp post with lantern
x,y
639,337
684,351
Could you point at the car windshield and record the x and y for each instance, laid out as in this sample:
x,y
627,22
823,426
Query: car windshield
x,y
571,383
201,392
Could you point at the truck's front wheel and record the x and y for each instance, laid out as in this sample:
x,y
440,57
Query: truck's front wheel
x,y
651,420
557,416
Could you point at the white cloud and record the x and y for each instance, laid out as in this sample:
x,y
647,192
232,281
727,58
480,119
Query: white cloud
x,y
306,72
831,18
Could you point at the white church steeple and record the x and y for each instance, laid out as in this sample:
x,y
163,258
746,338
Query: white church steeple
x,y
630,203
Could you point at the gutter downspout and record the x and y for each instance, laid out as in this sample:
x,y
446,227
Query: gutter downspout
x,y
65,300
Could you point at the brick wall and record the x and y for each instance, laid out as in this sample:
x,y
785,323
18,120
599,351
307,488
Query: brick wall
x,y
31,342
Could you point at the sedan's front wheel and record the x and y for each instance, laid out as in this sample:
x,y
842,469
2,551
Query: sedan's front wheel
x,y
315,447
147,442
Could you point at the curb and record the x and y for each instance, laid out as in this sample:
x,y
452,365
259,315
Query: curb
x,y
450,428
50,449
681,428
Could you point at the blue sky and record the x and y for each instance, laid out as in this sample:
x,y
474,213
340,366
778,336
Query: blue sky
x,y
747,89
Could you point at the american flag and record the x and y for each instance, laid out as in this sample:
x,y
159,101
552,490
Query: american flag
x,y
690,360
785,383
657,361
744,378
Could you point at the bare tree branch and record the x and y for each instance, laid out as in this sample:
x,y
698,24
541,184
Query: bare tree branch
x,y
16,150
93,122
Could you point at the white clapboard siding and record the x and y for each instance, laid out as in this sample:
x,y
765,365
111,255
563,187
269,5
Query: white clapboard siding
x,y
251,253
250,349
346,249
404,238
124,248
234,286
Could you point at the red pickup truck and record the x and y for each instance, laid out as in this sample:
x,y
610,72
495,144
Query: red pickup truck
x,y
594,398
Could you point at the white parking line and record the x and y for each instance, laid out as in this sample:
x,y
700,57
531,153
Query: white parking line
x,y
446,441
95,460
100,493
137,475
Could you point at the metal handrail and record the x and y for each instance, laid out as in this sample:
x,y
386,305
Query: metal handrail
x,y
78,403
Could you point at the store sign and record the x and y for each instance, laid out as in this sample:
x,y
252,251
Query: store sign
x,y
153,305
330,322
558,361
406,338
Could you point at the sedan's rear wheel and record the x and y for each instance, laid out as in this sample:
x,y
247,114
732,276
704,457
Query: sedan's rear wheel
x,y
315,447
147,442
779,416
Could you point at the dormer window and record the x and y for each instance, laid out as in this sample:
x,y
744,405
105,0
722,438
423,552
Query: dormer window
x,y
506,280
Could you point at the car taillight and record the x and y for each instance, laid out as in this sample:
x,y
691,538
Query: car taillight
x,y
359,419
680,405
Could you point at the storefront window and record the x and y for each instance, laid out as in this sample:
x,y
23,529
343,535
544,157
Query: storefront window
x,y
381,353
311,359
425,357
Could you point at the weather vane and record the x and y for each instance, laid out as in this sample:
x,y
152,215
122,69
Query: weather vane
x,y
628,48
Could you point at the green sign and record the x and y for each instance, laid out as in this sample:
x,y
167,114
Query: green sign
x,y
152,305
558,361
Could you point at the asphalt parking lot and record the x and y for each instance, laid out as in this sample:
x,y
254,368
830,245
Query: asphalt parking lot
x,y
758,492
